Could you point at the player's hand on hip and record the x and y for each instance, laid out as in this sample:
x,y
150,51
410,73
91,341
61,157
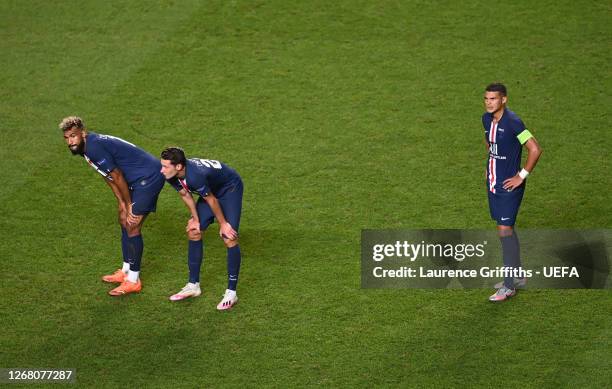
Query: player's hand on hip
x,y
226,231
513,183
192,225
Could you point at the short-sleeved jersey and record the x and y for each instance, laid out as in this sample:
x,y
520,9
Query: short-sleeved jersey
x,y
505,139
204,176
105,153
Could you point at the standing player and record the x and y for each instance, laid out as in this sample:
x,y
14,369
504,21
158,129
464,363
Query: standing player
x,y
220,189
506,135
133,176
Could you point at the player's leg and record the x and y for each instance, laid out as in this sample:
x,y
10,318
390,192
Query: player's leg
x,y
506,288
144,201
119,275
509,239
511,253
231,203
124,250
521,281
135,248
195,253
505,212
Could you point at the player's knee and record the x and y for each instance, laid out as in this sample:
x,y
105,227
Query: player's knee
x,y
123,223
132,230
504,231
194,235
230,243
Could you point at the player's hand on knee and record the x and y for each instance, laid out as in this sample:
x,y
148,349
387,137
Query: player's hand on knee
x,y
194,234
192,225
230,243
226,231
133,220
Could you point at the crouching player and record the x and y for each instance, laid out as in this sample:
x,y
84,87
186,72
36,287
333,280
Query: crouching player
x,y
220,189
133,176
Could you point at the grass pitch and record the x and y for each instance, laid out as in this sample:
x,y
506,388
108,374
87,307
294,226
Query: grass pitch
x,y
339,116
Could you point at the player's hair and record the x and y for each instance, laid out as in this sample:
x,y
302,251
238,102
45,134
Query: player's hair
x,y
175,155
497,87
71,122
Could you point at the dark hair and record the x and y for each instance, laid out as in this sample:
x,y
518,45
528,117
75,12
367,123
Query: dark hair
x,y
175,155
496,87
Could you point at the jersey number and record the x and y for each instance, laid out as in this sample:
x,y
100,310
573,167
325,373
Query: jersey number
x,y
210,163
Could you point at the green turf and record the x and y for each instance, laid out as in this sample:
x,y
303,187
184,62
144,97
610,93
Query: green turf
x,y
339,116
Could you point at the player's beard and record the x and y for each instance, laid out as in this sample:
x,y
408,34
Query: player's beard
x,y
80,149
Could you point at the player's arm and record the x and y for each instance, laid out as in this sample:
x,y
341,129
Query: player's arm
x,y
533,155
194,222
225,229
119,186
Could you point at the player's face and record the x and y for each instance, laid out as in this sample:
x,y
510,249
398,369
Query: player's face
x,y
494,101
75,140
168,169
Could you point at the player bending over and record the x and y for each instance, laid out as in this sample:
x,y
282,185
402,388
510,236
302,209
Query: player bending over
x,y
220,189
134,177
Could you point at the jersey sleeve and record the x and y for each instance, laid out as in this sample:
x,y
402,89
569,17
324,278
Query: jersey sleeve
x,y
99,155
522,133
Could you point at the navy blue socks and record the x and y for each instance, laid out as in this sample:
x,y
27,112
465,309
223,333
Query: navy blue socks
x,y
134,250
195,254
124,244
233,266
512,256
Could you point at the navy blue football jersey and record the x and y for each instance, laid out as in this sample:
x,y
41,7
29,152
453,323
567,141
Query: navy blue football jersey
x,y
505,139
105,153
204,176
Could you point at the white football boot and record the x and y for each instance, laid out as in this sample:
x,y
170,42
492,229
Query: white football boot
x,y
190,290
229,300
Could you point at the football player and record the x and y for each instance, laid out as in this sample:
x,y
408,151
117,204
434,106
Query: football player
x,y
134,177
220,189
505,136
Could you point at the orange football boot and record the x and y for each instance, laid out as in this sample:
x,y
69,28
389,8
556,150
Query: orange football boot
x,y
126,287
117,277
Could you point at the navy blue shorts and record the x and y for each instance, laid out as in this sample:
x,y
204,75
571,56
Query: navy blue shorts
x,y
145,193
230,199
504,206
